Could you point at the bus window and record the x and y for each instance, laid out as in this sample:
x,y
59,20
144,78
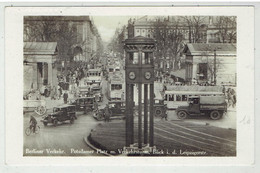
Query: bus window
x,y
165,97
178,98
171,97
184,97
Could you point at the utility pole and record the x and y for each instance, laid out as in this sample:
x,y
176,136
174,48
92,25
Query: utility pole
x,y
215,67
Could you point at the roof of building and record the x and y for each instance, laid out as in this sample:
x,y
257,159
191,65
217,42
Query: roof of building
x,y
47,48
139,40
200,48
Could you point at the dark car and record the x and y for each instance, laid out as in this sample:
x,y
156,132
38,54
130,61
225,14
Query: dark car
x,y
160,109
116,109
60,114
85,104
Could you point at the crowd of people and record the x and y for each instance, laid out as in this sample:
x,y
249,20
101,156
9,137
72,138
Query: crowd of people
x,y
231,98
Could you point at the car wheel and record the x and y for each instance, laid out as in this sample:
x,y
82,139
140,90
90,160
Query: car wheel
x,y
55,122
215,115
158,112
40,110
99,116
182,115
45,123
72,120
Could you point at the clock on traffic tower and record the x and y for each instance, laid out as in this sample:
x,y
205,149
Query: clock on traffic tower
x,y
139,71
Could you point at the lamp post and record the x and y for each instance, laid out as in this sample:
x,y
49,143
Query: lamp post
x,y
215,67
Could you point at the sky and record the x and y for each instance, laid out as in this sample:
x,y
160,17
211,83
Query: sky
x,y
107,25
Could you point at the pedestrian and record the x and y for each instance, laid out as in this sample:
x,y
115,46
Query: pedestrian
x,y
59,91
234,100
52,93
65,97
230,98
95,106
33,123
165,115
107,113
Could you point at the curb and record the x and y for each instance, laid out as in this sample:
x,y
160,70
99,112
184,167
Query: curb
x,y
93,147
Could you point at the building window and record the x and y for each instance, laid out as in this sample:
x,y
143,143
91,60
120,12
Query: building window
x,y
203,71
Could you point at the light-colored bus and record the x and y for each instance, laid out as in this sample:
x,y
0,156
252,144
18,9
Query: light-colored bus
x,y
116,87
174,99
94,76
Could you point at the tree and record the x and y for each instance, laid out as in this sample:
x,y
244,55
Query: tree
x,y
169,39
209,60
227,27
116,44
53,29
194,24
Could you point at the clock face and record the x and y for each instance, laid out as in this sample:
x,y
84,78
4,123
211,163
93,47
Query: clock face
x,y
147,75
132,75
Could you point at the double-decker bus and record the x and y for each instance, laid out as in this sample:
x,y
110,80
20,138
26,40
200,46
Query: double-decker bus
x,y
116,87
94,76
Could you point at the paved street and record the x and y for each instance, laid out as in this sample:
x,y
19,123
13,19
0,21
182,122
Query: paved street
x,y
172,138
64,137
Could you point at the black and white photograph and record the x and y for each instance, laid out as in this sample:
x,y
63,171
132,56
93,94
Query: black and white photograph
x,y
129,85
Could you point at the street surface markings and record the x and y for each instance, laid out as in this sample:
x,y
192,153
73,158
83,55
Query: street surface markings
x,y
185,137
175,128
206,143
202,133
196,136
203,149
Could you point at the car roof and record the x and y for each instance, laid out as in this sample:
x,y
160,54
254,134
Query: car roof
x,y
116,101
64,106
81,98
95,70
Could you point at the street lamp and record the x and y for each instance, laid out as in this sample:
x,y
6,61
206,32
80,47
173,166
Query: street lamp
x,y
215,67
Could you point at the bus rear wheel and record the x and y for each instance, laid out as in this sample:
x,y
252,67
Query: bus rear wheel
x,y
215,115
182,115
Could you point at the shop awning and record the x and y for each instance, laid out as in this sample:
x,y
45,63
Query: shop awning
x,y
179,73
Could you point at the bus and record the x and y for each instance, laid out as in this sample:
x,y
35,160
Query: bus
x,y
174,99
116,87
94,76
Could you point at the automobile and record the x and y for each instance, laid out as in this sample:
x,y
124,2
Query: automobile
x,y
96,90
85,104
213,106
60,114
116,109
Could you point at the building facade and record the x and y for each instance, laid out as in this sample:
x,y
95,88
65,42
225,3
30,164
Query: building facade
x,y
39,65
200,63
82,36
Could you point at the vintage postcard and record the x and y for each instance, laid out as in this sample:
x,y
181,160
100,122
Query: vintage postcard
x,y
168,84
